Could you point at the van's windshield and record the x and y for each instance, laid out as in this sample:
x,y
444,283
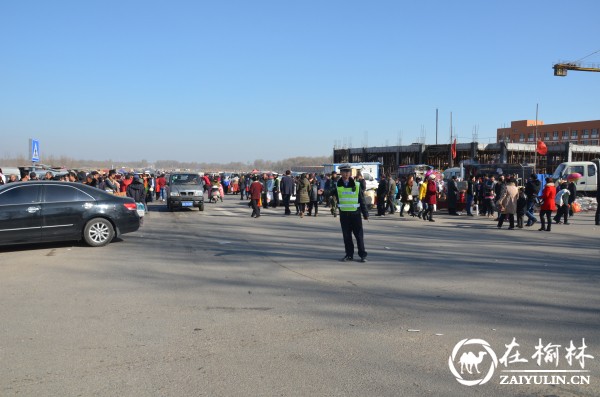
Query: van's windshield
x,y
563,170
558,174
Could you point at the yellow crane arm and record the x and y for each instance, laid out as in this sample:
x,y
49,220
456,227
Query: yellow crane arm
x,y
560,69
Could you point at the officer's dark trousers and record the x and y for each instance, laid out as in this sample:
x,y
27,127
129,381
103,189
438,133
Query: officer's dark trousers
x,y
352,224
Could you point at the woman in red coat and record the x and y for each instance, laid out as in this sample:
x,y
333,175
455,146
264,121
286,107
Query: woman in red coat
x,y
430,198
548,204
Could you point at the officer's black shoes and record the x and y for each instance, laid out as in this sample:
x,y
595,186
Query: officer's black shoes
x,y
350,259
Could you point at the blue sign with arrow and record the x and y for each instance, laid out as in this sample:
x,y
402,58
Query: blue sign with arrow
x,y
35,151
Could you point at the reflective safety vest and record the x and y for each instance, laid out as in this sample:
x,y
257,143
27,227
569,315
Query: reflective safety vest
x,y
348,198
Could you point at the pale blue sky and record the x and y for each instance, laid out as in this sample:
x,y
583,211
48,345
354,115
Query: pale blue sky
x,y
225,81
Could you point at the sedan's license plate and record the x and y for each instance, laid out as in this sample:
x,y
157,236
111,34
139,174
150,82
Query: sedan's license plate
x,y
186,203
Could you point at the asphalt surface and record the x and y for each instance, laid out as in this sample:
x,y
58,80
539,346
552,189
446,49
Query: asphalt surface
x,y
216,303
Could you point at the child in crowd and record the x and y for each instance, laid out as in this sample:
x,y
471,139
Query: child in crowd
x,y
521,204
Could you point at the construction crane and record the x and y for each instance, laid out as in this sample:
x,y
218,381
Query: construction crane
x,y
560,69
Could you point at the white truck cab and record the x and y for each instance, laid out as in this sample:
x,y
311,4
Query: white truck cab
x,y
588,183
450,172
370,171
372,183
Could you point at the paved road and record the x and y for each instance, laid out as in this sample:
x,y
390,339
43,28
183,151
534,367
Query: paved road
x,y
218,303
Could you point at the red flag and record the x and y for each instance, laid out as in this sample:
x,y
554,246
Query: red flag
x,y
453,149
542,149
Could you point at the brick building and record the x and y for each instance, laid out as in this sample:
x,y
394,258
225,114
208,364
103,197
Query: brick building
x,y
523,131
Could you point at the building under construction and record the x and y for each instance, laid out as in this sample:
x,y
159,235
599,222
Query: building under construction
x,y
440,156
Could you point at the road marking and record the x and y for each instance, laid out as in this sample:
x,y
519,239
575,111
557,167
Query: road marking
x,y
222,211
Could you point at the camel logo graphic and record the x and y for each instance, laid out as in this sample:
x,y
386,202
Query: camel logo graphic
x,y
470,362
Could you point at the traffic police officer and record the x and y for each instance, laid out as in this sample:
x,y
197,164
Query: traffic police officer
x,y
351,202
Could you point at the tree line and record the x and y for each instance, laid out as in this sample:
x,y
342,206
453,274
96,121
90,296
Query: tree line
x,y
260,164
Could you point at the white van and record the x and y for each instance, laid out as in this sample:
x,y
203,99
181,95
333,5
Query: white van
x,y
450,172
588,169
372,183
8,171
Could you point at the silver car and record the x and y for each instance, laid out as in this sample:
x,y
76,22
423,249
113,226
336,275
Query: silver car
x,y
185,190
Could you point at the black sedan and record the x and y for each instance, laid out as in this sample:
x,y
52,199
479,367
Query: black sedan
x,y
44,211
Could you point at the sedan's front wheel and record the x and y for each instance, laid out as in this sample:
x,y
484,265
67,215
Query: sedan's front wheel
x,y
98,232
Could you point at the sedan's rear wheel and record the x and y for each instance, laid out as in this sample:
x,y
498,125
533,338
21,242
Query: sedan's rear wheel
x,y
98,232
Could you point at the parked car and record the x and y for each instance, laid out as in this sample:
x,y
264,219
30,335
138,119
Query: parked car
x,y
185,190
45,211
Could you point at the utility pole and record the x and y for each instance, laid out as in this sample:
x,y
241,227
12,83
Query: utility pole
x,y
436,126
535,139
451,162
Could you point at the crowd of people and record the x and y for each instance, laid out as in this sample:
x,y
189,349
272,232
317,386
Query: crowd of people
x,y
496,197
345,196
486,195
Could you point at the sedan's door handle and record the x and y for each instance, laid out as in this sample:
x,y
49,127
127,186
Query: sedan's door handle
x,y
32,210
87,206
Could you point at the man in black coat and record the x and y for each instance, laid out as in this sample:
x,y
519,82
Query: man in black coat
x,y
287,189
382,192
137,191
471,194
532,190
452,195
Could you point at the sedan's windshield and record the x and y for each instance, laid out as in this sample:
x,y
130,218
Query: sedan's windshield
x,y
185,179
